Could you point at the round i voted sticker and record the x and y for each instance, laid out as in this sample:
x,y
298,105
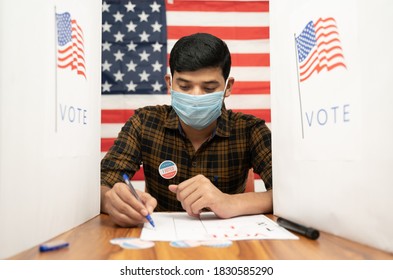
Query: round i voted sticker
x,y
167,169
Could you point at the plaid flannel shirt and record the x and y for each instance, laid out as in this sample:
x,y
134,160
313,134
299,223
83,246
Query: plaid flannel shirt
x,y
153,134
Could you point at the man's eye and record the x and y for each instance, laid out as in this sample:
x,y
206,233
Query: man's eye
x,y
210,89
184,88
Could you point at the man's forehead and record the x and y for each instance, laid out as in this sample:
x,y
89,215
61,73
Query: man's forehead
x,y
208,81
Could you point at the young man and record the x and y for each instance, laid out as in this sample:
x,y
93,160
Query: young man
x,y
196,154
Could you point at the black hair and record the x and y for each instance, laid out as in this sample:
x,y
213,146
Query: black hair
x,y
198,51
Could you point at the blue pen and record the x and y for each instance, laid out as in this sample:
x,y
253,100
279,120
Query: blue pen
x,y
131,187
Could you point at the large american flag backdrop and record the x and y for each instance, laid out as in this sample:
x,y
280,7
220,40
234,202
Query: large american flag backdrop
x,y
137,37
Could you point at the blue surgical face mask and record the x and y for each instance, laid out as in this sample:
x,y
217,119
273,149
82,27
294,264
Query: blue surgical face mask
x,y
198,111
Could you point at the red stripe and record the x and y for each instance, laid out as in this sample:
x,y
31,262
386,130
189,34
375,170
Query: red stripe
x,y
218,6
106,143
139,175
70,64
225,33
250,59
251,87
116,115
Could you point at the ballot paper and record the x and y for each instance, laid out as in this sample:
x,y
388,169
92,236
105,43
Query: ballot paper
x,y
180,226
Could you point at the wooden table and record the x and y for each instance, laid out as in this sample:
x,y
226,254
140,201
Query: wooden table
x,y
91,241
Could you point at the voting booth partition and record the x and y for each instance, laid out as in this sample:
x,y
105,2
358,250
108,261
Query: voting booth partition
x,y
50,55
331,87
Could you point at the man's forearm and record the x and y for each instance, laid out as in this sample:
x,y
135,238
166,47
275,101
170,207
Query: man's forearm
x,y
252,203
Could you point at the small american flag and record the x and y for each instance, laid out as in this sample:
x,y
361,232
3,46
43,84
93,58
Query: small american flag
x,y
319,47
70,52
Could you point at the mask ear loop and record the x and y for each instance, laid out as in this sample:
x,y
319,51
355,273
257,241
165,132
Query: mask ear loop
x,y
226,84
171,81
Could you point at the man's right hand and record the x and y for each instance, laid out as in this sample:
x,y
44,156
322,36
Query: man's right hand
x,y
123,208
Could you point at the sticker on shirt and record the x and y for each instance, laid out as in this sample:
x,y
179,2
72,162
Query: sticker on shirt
x,y
167,169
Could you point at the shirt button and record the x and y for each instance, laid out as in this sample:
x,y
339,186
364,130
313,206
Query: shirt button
x,y
194,164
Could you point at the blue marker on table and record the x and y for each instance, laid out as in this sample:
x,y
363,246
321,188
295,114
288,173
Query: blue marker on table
x,y
54,245
131,187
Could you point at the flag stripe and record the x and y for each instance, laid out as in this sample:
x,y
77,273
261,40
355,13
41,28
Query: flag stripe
x,y
236,47
251,88
219,6
226,33
217,19
106,143
251,59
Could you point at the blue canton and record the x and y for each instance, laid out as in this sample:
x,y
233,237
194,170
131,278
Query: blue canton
x,y
306,41
134,47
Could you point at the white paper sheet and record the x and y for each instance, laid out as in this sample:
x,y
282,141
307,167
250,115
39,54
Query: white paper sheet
x,y
180,226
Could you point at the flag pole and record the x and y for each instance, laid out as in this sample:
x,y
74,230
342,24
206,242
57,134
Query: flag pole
x,y
298,86
56,44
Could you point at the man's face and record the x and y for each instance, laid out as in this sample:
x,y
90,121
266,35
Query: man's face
x,y
203,81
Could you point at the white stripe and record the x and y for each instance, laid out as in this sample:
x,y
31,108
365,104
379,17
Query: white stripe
x,y
248,74
240,46
135,101
259,185
248,101
110,130
242,19
139,185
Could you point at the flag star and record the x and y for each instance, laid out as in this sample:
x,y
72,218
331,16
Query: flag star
x,y
157,47
143,16
131,26
155,7
156,86
106,86
157,66
144,36
131,86
118,76
118,17
106,46
144,56
144,76
106,66
105,7
106,27
130,6
132,66
119,36
118,55
131,46
156,27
